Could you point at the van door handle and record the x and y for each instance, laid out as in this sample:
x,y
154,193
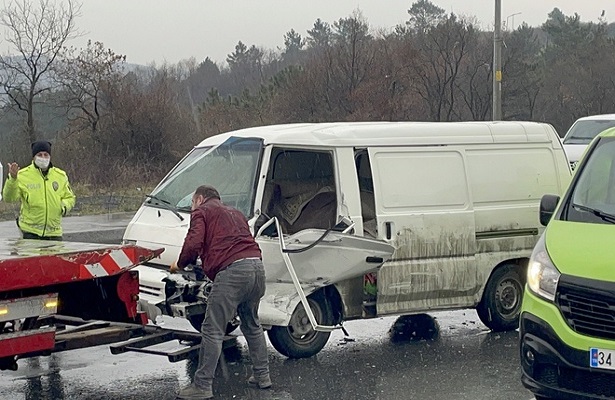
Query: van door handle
x,y
389,230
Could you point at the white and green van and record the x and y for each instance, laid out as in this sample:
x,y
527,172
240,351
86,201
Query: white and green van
x,y
567,323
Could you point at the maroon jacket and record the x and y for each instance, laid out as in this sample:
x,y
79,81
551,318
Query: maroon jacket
x,y
220,235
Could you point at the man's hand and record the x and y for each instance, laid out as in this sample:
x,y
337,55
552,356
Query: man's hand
x,y
13,169
174,268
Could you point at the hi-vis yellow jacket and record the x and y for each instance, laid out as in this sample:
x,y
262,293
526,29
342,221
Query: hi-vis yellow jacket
x,y
44,199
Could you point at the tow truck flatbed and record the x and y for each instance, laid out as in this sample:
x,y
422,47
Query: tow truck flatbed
x,y
26,263
46,285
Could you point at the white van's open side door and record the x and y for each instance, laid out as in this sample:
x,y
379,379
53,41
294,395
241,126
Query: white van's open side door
x,y
299,264
423,208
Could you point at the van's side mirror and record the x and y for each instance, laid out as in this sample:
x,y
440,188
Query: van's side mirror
x,y
548,204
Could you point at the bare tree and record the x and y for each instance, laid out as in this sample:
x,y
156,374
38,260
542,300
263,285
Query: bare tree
x,y
442,51
36,33
83,77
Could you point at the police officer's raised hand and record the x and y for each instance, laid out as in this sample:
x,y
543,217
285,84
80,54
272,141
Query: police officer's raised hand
x,y
13,169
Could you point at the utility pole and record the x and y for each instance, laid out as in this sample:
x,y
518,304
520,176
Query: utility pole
x,y
497,62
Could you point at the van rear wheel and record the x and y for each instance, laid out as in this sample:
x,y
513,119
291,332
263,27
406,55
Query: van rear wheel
x,y
299,339
501,303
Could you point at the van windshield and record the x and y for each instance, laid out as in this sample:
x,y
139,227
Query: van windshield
x,y
593,195
582,132
230,167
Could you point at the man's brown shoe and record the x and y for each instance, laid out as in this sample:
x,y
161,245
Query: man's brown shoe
x,y
263,382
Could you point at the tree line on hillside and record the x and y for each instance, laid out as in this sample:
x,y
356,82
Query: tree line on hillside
x,y
111,122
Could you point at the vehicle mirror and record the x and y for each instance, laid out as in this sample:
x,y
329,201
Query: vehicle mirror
x,y
548,204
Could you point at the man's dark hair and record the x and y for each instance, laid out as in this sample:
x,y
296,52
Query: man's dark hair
x,y
207,192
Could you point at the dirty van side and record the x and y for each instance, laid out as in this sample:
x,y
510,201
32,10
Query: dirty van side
x,y
462,221
567,324
379,218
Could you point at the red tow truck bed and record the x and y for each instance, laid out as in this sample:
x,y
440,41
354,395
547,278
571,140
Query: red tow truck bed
x,y
42,282
38,263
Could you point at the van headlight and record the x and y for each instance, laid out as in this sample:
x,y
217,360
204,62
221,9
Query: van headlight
x,y
542,276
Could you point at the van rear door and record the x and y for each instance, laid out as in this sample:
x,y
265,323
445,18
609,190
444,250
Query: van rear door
x,y
423,208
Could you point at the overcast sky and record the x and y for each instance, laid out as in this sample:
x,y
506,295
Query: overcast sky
x,y
172,30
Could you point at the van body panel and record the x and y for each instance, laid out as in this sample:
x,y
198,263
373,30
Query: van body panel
x,y
493,252
155,227
278,303
322,267
582,249
423,208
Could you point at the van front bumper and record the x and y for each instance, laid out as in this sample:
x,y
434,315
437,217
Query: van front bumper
x,y
555,370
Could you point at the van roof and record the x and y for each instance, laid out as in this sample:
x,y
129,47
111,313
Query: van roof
x,y
395,133
598,117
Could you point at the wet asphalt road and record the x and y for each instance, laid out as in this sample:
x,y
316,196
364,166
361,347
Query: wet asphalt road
x,y
386,358
463,361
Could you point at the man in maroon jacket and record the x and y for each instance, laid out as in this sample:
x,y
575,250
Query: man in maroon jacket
x,y
231,258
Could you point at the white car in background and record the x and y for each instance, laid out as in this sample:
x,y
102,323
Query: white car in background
x,y
582,132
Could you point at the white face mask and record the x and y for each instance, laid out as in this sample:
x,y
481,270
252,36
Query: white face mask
x,y
41,162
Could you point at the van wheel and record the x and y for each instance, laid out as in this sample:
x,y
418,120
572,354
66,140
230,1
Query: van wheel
x,y
197,320
501,304
298,339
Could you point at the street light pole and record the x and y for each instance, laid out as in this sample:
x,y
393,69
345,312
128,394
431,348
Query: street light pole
x,y
497,62
511,27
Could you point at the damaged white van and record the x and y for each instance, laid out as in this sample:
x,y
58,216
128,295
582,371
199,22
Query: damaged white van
x,y
357,220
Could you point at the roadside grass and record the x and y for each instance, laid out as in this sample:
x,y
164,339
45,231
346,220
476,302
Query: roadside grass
x,y
93,200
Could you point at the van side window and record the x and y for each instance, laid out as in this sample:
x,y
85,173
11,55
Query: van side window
x,y
300,189
366,192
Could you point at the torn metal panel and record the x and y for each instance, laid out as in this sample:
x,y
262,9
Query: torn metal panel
x,y
337,257
334,257
278,304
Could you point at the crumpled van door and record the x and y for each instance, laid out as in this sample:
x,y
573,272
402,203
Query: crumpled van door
x,y
338,256
318,261
423,208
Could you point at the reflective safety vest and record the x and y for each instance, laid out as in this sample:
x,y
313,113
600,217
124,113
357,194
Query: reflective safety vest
x,y
44,199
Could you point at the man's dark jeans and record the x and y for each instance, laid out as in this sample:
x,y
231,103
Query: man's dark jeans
x,y
238,288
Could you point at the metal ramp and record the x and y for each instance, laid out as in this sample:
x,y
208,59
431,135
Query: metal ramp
x,y
188,344
74,333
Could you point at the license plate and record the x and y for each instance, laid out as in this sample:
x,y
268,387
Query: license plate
x,y
602,358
